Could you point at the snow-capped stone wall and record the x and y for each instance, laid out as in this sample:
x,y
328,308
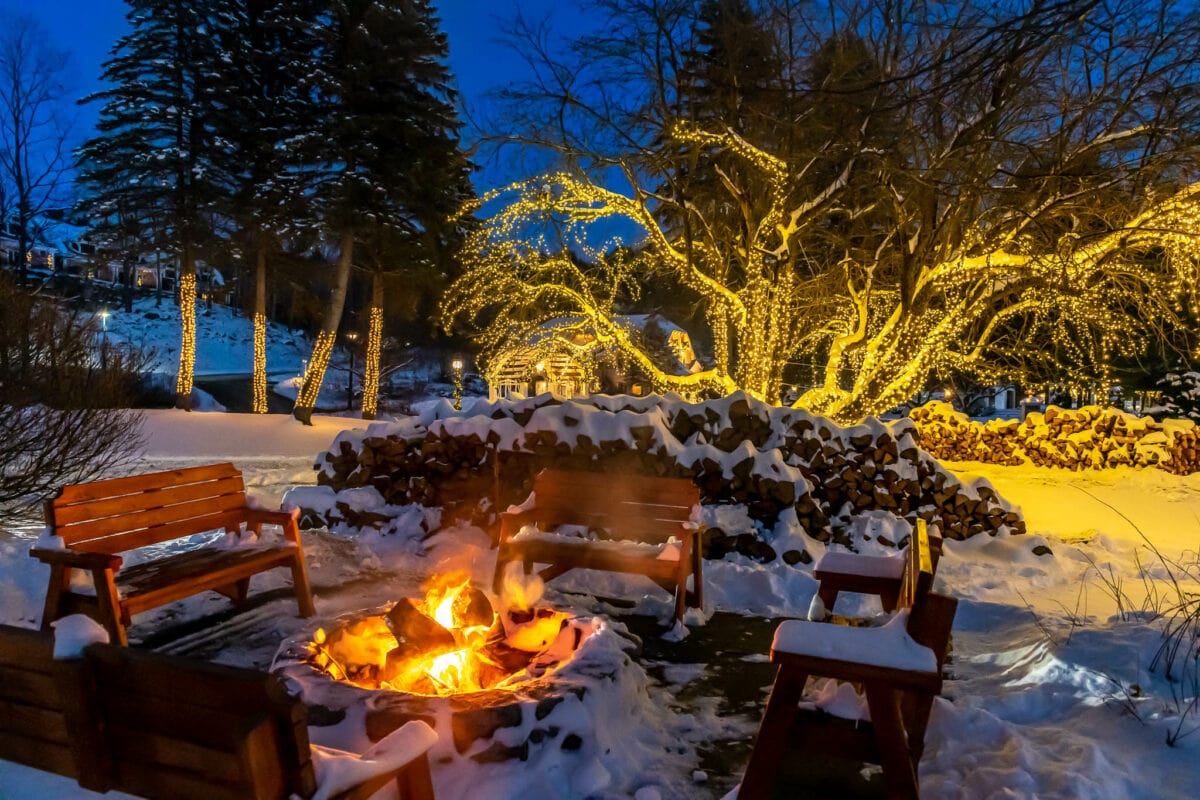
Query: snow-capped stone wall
x,y
736,449
1087,438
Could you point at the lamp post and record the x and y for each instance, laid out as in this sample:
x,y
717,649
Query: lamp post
x,y
457,366
351,337
104,338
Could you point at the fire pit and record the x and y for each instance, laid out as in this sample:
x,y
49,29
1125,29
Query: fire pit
x,y
452,660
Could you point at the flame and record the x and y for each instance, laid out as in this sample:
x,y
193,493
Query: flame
x,y
365,652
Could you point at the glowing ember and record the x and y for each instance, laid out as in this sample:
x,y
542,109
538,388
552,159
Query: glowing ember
x,y
449,642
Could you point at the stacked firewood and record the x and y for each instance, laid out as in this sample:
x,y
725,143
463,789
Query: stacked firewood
x,y
1085,438
737,450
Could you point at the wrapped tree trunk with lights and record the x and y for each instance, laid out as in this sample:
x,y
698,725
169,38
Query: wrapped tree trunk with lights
x,y
371,365
153,164
876,206
389,143
262,115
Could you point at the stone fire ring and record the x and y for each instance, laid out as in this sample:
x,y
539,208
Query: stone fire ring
x,y
486,726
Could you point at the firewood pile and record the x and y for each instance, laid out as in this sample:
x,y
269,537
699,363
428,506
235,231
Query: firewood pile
x,y
736,449
1087,438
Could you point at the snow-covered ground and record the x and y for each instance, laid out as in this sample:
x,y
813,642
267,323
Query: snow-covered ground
x,y
224,340
1051,693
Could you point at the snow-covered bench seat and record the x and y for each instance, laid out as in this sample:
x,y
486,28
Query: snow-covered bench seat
x,y
90,523
874,575
643,525
158,726
898,666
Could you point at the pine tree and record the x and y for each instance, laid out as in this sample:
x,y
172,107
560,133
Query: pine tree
x,y
393,170
153,155
263,107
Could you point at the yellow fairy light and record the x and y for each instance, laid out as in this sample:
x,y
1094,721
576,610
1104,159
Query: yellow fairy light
x,y
314,374
977,308
260,364
370,399
187,345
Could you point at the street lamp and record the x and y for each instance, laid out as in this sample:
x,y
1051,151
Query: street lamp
x,y
351,337
104,338
457,366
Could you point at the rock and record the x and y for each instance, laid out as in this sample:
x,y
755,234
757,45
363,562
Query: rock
x,y
794,557
1042,550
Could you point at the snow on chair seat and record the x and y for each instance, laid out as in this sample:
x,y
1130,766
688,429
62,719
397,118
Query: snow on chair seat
x,y
617,523
875,575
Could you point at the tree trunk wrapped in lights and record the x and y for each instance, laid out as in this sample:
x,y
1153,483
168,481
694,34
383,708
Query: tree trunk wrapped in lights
x,y
187,344
370,398
314,375
893,206
260,331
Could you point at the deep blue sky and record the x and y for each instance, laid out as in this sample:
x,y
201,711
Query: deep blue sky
x,y
89,28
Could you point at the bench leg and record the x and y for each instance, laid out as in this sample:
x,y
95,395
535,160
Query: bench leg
x,y
300,585
698,572
108,601
899,772
414,781
236,591
770,745
60,575
498,575
829,596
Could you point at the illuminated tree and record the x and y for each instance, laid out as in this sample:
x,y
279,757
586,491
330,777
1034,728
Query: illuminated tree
x,y
389,147
153,155
986,188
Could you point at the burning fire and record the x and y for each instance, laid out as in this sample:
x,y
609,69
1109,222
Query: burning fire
x,y
449,642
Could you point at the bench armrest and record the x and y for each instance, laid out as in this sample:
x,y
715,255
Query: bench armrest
x,y
77,559
511,522
288,520
857,672
342,775
272,517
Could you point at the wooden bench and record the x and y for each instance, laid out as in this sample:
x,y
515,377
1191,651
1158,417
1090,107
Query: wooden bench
x,y
98,520
622,510
159,726
875,575
899,674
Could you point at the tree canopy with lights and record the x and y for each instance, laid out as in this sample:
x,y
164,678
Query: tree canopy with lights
x,y
1005,189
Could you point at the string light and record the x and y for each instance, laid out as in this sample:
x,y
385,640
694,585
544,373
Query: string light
x,y
260,364
535,278
314,373
187,345
370,399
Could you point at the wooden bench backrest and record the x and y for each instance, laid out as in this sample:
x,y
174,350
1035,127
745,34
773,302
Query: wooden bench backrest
x,y
121,514
626,506
183,729
47,718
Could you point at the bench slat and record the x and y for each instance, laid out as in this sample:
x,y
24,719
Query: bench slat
x,y
115,487
143,527
152,590
33,720
551,485
154,498
28,686
25,648
136,745
38,753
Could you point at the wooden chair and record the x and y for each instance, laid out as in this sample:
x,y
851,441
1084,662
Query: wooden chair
x,y
159,726
875,575
900,677
619,507
98,520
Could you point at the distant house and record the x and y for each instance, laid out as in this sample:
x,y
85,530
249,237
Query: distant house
x,y
566,359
